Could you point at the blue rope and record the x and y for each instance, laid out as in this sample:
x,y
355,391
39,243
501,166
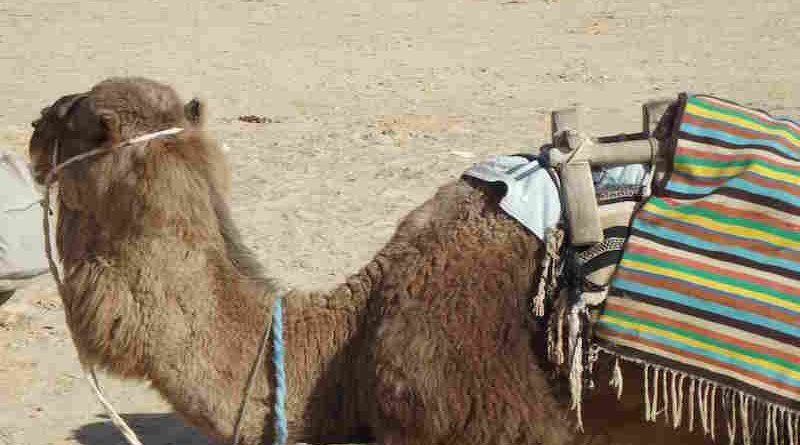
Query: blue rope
x,y
281,430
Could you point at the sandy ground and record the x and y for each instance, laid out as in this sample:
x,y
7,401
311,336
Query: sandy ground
x,y
371,106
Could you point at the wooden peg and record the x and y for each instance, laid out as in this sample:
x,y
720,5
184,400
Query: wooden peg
x,y
652,111
564,120
581,205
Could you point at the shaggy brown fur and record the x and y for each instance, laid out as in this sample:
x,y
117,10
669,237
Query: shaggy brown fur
x,y
428,344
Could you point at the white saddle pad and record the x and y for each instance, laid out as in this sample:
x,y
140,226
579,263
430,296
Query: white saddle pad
x,y
531,196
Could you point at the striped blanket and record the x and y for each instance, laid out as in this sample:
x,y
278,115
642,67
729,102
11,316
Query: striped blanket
x,y
707,294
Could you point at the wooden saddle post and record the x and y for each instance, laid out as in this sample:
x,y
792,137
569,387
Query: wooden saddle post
x,y
574,154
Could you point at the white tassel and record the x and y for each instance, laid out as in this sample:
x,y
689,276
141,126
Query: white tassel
x,y
774,416
773,424
790,428
744,414
538,299
616,378
654,407
646,393
553,240
692,383
677,400
681,396
562,313
729,404
555,331
796,426
575,354
576,381
703,406
666,397
713,422
769,425
574,330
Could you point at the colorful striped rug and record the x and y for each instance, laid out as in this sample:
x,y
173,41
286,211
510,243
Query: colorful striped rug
x,y
707,294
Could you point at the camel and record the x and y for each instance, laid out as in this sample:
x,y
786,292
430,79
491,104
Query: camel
x,y
431,342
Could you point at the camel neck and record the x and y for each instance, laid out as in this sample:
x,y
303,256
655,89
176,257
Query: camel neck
x,y
323,334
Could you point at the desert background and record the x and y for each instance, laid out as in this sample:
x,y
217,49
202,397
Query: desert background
x,y
368,107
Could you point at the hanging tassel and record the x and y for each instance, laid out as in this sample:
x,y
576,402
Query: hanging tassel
x,y
713,422
677,400
541,292
646,393
692,383
654,406
703,406
574,328
559,351
744,414
769,425
555,330
616,378
538,299
576,381
562,314
729,405
575,354
666,409
774,424
555,242
681,395
554,238
796,427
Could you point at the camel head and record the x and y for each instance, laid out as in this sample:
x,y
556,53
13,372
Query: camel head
x,y
113,111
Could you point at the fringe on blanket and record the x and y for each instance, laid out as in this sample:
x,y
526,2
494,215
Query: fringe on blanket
x,y
682,399
693,402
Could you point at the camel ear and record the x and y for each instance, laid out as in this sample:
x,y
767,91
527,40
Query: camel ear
x,y
195,112
42,114
65,104
111,126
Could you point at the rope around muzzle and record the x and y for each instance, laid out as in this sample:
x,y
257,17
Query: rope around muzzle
x,y
274,325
